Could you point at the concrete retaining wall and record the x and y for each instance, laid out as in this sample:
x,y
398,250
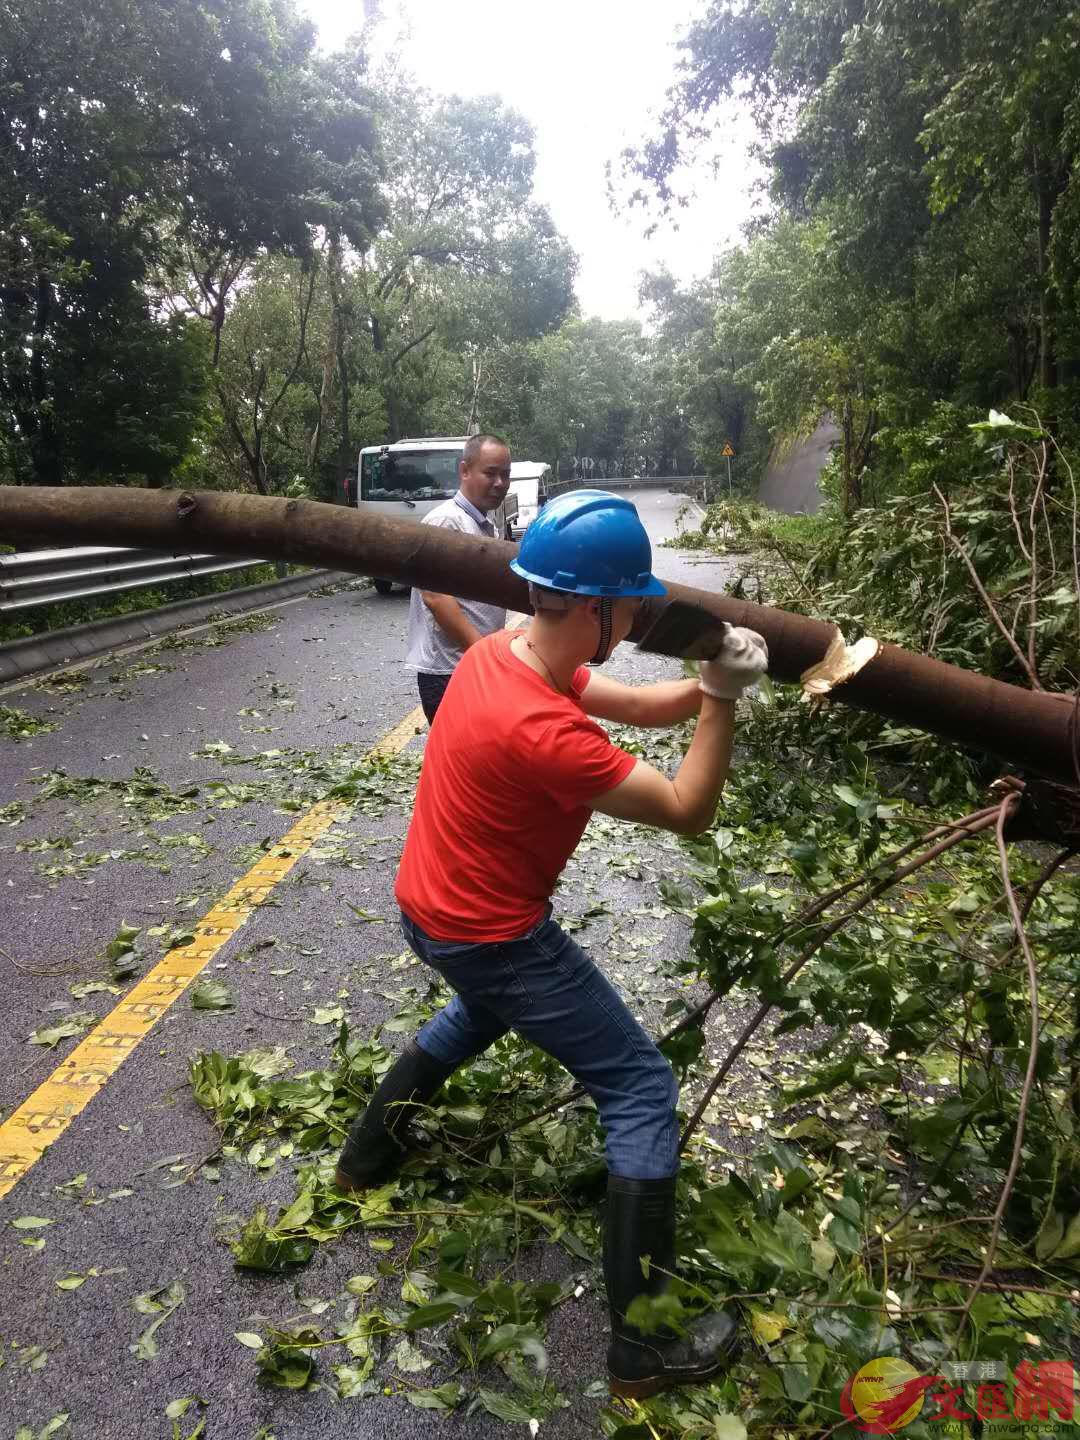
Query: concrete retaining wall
x,y
790,483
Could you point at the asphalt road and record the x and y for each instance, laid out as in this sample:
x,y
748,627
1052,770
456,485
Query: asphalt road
x,y
315,686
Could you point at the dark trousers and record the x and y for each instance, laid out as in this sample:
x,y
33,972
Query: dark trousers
x,y
544,986
432,688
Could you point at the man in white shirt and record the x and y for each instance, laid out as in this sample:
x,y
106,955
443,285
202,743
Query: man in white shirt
x,y
442,628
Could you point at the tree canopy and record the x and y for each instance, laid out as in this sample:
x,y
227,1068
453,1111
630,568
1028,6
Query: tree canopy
x,y
920,239
229,258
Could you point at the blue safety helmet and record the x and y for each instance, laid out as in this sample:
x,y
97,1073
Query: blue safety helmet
x,y
588,542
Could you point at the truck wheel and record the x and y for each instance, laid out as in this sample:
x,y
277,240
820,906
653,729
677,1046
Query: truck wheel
x,y
384,587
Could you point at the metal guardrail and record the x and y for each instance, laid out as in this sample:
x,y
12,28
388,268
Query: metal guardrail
x,y
652,482
44,577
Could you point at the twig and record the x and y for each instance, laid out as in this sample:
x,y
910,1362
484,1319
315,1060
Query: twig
x,y
687,1022
965,833
1001,1285
939,613
1007,806
71,968
641,1414
1075,549
960,549
929,1233
1044,875
778,549
197,1165
1033,526
1012,509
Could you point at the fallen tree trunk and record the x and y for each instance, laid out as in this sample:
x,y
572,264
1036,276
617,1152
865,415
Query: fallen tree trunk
x,y
1035,731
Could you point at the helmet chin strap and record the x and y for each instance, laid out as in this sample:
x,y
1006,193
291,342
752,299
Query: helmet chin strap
x,y
542,599
607,611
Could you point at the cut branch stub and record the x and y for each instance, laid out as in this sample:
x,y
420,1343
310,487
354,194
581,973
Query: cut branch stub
x,y
1046,812
841,663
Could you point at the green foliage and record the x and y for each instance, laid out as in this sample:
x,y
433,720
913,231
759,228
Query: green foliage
x,y
18,725
894,571
743,525
229,141
897,1119
407,329
922,241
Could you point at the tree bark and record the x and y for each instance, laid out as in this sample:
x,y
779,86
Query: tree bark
x,y
1034,730
345,457
322,400
1046,194
378,344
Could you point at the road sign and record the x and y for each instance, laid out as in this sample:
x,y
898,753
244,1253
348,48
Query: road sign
x,y
726,454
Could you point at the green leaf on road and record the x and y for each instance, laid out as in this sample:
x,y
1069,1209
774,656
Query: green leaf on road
x,y
408,1359
442,1398
161,1303
212,995
504,1407
366,917
51,1035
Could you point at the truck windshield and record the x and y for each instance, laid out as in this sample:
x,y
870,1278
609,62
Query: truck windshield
x,y
410,475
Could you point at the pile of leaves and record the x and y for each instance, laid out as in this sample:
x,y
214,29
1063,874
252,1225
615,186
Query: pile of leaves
x,y
19,725
466,1206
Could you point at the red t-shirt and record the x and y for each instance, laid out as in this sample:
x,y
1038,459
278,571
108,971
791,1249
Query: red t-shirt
x,y
509,771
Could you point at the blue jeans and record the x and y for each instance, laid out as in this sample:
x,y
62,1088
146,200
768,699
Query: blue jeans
x,y
546,988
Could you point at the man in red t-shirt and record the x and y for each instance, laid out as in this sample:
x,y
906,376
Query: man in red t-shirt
x,y
514,767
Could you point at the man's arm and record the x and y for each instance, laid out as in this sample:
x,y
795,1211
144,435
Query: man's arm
x,y
687,803
665,703
451,619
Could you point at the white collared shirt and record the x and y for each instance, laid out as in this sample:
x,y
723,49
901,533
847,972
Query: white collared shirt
x,y
431,651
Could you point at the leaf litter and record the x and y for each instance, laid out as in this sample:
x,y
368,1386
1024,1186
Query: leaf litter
x,y
849,1147
842,1142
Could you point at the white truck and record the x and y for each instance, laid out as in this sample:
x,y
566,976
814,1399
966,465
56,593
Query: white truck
x,y
410,477
529,481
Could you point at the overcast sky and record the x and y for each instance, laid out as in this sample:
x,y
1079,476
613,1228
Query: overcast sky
x,y
587,74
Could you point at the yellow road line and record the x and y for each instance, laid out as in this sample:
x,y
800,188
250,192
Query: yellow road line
x,y
29,1131
400,736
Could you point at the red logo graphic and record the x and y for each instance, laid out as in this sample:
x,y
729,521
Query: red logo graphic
x,y
884,1396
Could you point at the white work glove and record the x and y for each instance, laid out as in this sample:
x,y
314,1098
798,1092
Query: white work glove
x,y
743,659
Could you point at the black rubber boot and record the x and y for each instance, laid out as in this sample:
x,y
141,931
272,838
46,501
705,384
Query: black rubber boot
x,y
377,1142
641,1221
